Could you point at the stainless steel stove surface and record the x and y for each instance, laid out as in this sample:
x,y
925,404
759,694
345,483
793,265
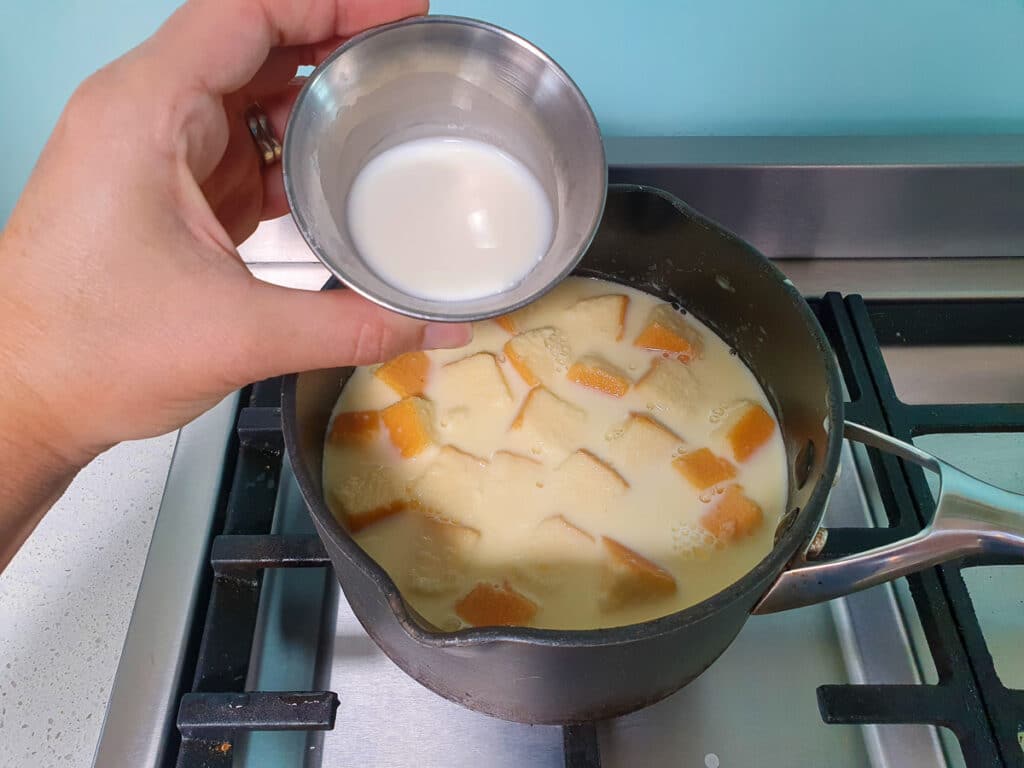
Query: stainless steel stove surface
x,y
955,630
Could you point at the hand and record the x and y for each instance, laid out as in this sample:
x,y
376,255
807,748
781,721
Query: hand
x,y
126,308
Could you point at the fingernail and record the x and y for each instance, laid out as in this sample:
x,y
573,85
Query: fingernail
x,y
446,335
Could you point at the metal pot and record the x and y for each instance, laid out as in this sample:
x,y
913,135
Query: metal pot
x,y
652,242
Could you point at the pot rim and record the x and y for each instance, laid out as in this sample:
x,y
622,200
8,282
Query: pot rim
x,y
791,542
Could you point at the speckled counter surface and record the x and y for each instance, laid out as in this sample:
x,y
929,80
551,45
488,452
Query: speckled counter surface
x,y
67,598
65,603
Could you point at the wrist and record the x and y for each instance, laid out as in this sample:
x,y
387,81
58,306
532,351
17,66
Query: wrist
x,y
35,472
34,413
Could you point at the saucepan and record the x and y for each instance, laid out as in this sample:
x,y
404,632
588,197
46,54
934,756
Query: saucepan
x,y
652,242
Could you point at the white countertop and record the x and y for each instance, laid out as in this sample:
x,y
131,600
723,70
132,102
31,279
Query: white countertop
x,y
68,595
65,602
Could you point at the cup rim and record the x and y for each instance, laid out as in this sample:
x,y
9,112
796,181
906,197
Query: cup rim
x,y
404,303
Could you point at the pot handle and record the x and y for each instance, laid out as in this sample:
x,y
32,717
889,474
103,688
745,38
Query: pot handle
x,y
971,518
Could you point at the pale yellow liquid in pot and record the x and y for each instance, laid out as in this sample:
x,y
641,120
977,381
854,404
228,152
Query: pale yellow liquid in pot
x,y
504,503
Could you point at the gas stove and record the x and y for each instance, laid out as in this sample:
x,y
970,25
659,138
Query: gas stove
x,y
241,650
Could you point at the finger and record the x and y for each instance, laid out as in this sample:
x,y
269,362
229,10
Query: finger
x,y
294,330
229,40
281,64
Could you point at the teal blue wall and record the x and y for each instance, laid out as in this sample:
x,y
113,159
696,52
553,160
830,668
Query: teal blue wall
x,y
658,67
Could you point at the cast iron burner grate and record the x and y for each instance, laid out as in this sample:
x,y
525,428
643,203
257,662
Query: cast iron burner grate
x,y
969,699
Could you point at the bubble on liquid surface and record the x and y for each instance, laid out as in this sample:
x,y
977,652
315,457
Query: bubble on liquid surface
x,y
558,347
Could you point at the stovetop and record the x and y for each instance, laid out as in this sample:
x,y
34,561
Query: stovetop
x,y
924,672
928,667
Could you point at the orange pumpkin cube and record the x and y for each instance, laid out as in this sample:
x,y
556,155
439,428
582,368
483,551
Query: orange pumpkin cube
x,y
667,331
410,425
704,469
355,427
506,323
749,430
630,578
489,605
733,516
406,374
595,373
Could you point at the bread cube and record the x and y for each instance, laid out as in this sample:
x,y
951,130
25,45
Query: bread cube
x,y
667,331
596,373
748,427
604,317
410,425
733,516
669,386
366,494
490,605
539,355
509,471
514,483
559,554
406,374
354,428
526,318
550,421
452,486
642,442
556,540
703,469
630,579
478,381
585,479
441,553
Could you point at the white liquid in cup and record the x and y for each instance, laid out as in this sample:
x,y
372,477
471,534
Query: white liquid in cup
x,y
449,219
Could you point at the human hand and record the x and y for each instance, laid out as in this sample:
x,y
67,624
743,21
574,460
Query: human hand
x,y
126,308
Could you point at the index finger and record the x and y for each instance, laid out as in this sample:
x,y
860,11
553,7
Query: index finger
x,y
221,44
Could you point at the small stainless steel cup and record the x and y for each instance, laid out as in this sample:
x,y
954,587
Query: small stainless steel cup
x,y
442,76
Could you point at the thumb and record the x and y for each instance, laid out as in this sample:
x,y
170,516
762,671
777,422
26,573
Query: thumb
x,y
295,330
